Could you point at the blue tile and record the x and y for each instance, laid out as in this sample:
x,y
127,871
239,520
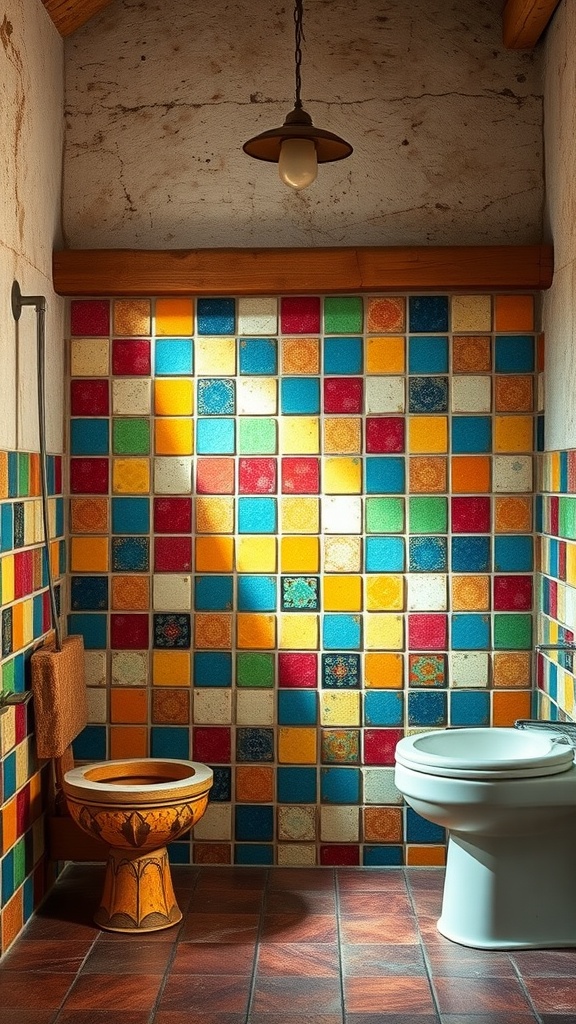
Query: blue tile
x,y
130,554
89,436
89,593
216,396
340,785
342,632
296,785
258,356
341,671
38,616
12,474
382,856
428,313
385,475
8,885
300,593
420,830
300,395
343,355
253,853
257,515
7,526
9,775
385,554
428,394
28,901
213,593
469,708
90,745
513,554
428,554
173,356
130,515
169,741
383,707
427,708
215,437
470,632
428,355
297,707
216,316
514,353
254,745
471,554
471,434
92,627
179,852
254,822
257,593
221,791
212,668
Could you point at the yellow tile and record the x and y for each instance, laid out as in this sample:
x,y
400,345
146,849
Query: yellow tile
x,y
384,593
3,474
300,515
131,476
301,355
255,631
342,435
383,671
27,621
173,397
342,593
18,626
297,745
471,313
385,355
342,476
89,554
571,563
256,554
174,316
300,554
342,554
215,356
7,576
428,433
214,515
214,554
171,668
384,632
173,436
299,435
554,470
513,434
89,358
298,632
340,708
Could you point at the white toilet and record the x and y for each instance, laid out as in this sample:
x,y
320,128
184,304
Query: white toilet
x,y
508,799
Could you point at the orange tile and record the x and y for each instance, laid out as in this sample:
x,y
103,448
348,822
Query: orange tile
x,y
513,515
383,671
213,630
509,705
89,515
428,434
12,919
3,474
255,784
383,824
174,316
428,475
131,317
301,355
171,668
18,626
128,741
214,554
9,825
513,434
89,554
386,314
514,313
512,669
212,853
173,436
255,631
471,353
431,856
129,706
470,474
34,487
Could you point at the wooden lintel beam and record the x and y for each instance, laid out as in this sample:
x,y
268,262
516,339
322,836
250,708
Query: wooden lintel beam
x,y
300,271
68,15
524,21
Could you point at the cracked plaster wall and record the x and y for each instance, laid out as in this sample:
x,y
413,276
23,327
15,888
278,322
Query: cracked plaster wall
x,y
446,125
31,127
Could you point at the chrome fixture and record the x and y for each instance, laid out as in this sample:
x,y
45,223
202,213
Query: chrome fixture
x,y
566,730
297,146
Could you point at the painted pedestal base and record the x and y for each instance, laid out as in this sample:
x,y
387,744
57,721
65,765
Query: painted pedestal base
x,y
138,895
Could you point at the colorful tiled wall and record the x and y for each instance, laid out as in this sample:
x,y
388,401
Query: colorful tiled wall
x,y
300,526
24,870
556,522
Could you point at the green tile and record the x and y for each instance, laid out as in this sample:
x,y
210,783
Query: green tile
x,y
23,474
513,632
567,518
131,437
384,515
255,669
8,676
19,863
343,314
428,515
257,436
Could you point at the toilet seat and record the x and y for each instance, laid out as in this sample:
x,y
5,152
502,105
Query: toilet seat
x,y
137,781
488,753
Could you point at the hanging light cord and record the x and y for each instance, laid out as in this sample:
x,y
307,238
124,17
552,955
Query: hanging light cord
x,y
298,36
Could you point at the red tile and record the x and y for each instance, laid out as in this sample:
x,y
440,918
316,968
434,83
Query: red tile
x,y
238,929
138,957
298,959
207,958
51,955
89,476
384,434
131,358
399,929
90,318
378,958
300,314
215,476
298,670
300,476
212,744
409,995
89,398
273,995
57,474
380,745
257,476
554,516
28,990
427,632
129,632
512,593
470,515
343,394
172,554
172,515
114,992
339,853
23,821
23,573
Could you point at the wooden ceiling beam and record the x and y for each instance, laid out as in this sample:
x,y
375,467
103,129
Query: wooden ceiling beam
x,y
524,21
68,15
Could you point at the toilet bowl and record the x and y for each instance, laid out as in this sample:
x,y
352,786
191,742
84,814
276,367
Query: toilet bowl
x,y
508,801
136,807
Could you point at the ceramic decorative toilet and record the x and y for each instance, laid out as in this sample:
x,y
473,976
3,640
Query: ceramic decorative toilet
x,y
508,800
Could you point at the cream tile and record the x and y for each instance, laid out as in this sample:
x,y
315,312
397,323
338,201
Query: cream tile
x,y
471,393
215,823
427,592
342,515
130,668
212,706
97,709
173,475
254,707
257,395
379,786
385,394
297,823
471,313
258,315
95,668
512,473
296,855
172,592
131,397
469,670
89,358
339,824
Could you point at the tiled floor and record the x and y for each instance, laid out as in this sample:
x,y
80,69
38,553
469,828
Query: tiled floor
x,y
276,946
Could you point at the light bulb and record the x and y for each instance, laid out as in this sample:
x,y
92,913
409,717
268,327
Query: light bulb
x,y
298,165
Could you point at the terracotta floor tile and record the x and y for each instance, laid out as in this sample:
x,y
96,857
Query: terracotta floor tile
x,y
27,990
52,955
115,992
545,962
379,929
103,1017
299,928
298,959
208,958
552,995
424,878
285,901
301,995
388,994
497,1018
380,959
460,961
221,902
197,1017
302,879
19,1016
372,904
219,928
480,995
230,879
375,879
196,992
427,902
44,927
139,956
295,1018
391,1018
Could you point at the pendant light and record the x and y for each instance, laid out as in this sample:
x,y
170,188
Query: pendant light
x,y
297,146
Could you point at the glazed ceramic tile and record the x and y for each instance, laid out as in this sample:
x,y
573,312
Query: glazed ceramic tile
x,y
174,316
95,668
428,434
341,671
427,670
513,515
256,554
257,476
385,315
512,473
212,631
428,313
300,314
343,395
257,395
384,592
301,355
131,397
130,593
131,476
171,591
170,707
300,515
340,708
299,435
255,630
212,706
254,708
383,631
89,358
300,554
297,824
215,823
471,393
470,593
512,669
339,824
215,356
214,515
514,312
174,397
257,315
342,515
257,436
342,355
342,475
513,434
171,668
173,356
379,786
172,475
130,436
385,355
131,317
342,554
471,473
342,435
385,394
342,593
254,783
300,593
297,745
343,314
469,669
89,398
90,317
129,668
427,592
514,393
471,354
340,746
427,475
298,631
383,670
471,313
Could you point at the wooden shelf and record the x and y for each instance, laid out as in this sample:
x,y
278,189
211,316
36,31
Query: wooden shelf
x,y
300,271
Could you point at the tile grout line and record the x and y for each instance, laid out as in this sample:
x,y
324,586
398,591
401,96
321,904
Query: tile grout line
x,y
263,895
423,946
339,934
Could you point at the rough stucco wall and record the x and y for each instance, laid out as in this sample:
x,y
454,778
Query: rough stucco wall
x,y
31,127
445,123
558,303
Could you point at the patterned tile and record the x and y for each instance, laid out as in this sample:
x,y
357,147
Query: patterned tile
x,y
300,593
301,355
385,315
471,354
